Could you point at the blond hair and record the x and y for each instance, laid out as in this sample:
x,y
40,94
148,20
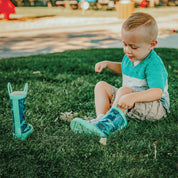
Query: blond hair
x,y
140,19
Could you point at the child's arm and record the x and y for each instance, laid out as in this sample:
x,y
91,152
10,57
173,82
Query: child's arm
x,y
153,94
114,66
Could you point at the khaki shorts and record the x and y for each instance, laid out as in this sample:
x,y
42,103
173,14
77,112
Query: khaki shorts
x,y
151,111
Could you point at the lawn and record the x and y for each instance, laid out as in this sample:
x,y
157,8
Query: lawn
x,y
64,82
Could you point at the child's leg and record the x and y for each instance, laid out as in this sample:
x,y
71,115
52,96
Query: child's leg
x,y
115,118
103,97
121,91
112,121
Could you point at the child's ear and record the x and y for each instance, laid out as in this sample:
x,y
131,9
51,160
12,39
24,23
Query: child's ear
x,y
153,44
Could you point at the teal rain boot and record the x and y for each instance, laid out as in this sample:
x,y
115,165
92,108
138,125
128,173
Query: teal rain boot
x,y
18,101
112,121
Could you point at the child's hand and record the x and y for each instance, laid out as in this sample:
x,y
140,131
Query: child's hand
x,y
126,101
100,66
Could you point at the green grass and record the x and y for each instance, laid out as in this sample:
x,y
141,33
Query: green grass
x,y
65,83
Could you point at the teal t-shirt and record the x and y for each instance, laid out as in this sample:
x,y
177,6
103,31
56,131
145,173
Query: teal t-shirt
x,y
150,73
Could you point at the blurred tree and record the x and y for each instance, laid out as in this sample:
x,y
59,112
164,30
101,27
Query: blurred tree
x,y
32,2
51,3
164,2
19,3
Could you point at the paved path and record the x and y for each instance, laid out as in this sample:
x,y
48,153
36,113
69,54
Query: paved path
x,y
57,34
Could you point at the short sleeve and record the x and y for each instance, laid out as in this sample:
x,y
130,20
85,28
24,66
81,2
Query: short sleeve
x,y
156,74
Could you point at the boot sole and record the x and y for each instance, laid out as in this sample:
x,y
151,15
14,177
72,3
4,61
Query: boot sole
x,y
24,135
81,126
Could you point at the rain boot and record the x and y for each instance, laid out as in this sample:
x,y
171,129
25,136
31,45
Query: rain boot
x,y
18,101
113,120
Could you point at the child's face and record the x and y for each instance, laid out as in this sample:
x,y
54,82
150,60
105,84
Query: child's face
x,y
136,46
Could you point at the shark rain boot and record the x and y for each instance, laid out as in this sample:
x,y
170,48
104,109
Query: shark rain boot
x,y
18,101
112,121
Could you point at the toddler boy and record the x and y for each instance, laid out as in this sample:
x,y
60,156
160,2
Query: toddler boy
x,y
144,92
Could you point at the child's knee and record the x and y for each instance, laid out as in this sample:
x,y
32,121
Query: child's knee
x,y
100,85
123,91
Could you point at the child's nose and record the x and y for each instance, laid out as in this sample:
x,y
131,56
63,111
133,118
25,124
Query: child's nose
x,y
127,49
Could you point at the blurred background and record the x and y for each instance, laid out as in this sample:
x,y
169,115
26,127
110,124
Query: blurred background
x,y
74,4
30,27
